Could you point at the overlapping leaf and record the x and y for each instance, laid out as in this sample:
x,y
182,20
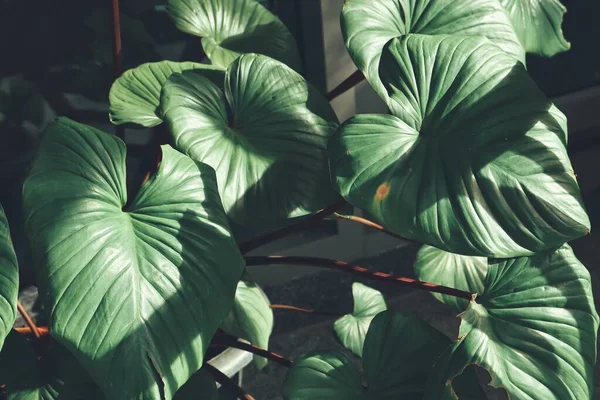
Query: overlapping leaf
x,y
351,329
230,28
453,270
534,329
473,161
9,280
135,293
251,318
200,386
265,136
135,96
538,25
367,25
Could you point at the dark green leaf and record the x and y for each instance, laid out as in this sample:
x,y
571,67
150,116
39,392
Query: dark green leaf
x,y
266,137
200,386
9,279
135,293
473,161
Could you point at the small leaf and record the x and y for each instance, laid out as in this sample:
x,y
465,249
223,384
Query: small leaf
x,y
323,376
135,293
251,318
351,329
229,28
473,161
266,137
200,386
538,25
534,329
367,25
453,270
135,96
9,280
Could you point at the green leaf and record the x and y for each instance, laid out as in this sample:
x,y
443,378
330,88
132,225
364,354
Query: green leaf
x,y
266,137
453,270
229,28
200,386
351,329
538,25
534,329
323,376
399,353
473,161
135,96
367,25
135,293
9,279
251,318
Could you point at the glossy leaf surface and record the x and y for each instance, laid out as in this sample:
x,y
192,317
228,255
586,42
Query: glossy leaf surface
x,y
351,329
265,136
9,279
229,28
534,329
251,318
453,270
538,25
367,25
135,96
137,292
473,161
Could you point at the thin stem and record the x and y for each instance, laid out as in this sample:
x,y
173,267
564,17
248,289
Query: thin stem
x,y
227,382
353,80
256,242
225,340
25,330
28,320
360,271
117,53
303,310
373,225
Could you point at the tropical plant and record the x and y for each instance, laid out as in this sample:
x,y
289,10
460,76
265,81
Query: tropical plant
x,y
138,283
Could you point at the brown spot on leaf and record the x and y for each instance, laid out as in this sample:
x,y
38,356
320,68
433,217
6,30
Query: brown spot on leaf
x,y
382,191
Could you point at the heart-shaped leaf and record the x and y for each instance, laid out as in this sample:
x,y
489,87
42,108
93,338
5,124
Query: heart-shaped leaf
x,y
200,386
453,270
266,137
367,25
229,28
251,318
323,376
135,293
351,329
473,161
534,329
9,280
135,96
538,25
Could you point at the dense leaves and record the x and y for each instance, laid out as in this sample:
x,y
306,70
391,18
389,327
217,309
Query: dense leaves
x,y
117,280
135,96
265,135
367,25
229,28
534,329
9,280
473,161
351,329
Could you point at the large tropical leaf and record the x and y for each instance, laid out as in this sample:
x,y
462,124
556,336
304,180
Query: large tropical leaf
x,y
9,280
534,329
200,386
137,292
473,161
351,329
367,25
251,318
135,96
538,25
229,28
266,137
453,270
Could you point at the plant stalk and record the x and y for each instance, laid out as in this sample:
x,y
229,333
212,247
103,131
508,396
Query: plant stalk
x,y
28,320
360,271
303,310
117,53
225,340
373,225
226,381
353,80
